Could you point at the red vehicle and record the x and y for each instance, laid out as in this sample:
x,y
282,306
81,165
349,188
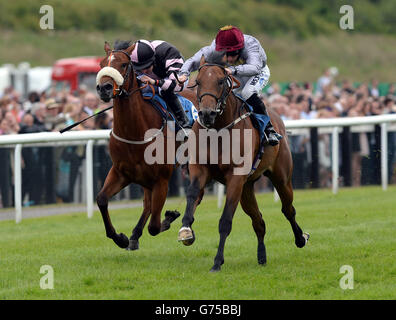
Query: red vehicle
x,y
71,73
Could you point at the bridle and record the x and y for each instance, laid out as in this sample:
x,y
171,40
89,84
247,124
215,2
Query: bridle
x,y
228,86
119,91
221,102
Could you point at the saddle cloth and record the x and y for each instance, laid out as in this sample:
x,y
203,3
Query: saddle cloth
x,y
260,121
159,104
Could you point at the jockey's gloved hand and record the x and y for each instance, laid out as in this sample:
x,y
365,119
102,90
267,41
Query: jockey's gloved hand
x,y
181,78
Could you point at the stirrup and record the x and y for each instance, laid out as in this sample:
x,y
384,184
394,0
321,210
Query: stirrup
x,y
273,142
273,138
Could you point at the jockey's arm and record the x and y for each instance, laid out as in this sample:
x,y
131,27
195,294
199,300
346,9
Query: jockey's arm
x,y
168,83
254,63
192,64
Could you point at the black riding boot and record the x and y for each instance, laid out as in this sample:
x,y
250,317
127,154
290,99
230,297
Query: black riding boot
x,y
259,107
174,104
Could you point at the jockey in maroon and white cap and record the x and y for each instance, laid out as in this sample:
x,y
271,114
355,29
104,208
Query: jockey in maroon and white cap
x,y
157,62
229,39
246,60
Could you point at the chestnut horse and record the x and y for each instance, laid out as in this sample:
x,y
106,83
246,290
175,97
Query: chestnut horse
x,y
133,116
220,109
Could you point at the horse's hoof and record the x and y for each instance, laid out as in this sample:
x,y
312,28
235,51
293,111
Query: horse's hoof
x,y
186,235
189,242
306,237
153,231
121,240
261,254
170,216
133,245
303,241
215,268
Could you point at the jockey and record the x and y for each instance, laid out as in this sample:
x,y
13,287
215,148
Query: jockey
x,y
247,62
156,62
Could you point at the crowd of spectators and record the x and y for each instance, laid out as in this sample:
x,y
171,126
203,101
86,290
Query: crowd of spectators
x,y
329,98
52,111
59,167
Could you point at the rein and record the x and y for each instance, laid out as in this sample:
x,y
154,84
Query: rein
x,y
119,92
247,114
122,93
233,123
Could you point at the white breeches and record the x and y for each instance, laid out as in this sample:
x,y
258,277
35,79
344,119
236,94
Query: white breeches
x,y
254,84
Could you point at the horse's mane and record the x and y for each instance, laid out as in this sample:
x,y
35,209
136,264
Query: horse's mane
x,y
121,44
216,57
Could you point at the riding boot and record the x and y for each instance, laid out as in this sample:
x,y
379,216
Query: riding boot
x,y
259,107
174,104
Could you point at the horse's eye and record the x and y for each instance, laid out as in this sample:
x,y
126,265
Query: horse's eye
x,y
221,82
124,65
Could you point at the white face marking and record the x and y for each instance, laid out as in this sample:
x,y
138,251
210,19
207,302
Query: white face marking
x,y
112,58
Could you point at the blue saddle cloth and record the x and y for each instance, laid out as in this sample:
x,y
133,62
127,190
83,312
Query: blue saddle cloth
x,y
160,105
260,122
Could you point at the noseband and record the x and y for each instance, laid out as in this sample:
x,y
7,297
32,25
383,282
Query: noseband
x,y
228,86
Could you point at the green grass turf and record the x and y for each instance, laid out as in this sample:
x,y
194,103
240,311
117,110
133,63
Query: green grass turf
x,y
356,227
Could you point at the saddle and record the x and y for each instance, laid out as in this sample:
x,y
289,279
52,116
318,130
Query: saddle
x,y
160,105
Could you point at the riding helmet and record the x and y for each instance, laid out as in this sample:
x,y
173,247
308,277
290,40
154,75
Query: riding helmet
x,y
229,38
143,55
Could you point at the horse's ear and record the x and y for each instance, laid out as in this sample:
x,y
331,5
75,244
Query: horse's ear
x,y
203,61
130,49
107,48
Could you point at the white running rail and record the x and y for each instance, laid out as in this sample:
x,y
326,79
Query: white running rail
x,y
89,137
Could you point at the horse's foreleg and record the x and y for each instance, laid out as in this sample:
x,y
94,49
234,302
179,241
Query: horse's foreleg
x,y
195,191
250,207
138,230
113,184
233,196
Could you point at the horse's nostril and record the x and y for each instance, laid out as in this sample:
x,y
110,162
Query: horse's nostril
x,y
213,113
200,113
108,87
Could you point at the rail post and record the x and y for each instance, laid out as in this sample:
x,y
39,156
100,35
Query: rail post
x,y
89,177
18,182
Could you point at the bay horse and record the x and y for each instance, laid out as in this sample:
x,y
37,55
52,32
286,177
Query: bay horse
x,y
133,116
219,109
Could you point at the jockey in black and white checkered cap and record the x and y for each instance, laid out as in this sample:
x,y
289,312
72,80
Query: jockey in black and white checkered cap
x,y
156,62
